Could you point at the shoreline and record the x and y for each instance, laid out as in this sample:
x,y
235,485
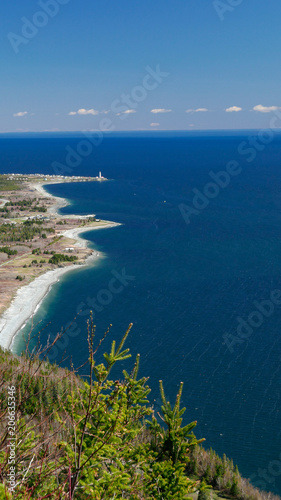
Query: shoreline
x,y
29,297
59,202
26,302
73,234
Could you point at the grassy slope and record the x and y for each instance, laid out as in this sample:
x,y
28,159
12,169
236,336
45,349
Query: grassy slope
x,y
43,390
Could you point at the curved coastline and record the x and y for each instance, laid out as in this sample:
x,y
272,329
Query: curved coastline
x,y
29,297
60,202
25,303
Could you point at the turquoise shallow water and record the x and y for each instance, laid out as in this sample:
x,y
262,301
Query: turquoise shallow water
x,y
187,284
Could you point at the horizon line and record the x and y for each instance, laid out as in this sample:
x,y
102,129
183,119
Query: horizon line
x,y
153,131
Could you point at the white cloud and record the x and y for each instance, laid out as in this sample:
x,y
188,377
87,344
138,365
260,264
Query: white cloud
x,y
87,112
233,109
83,111
160,110
198,110
20,113
265,109
154,124
126,112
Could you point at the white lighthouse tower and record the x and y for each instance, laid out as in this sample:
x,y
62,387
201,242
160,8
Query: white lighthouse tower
x,y
100,177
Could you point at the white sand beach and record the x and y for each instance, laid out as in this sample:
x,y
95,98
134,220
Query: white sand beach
x,y
60,202
28,297
25,302
74,233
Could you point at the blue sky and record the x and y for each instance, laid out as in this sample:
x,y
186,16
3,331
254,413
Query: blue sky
x,y
72,65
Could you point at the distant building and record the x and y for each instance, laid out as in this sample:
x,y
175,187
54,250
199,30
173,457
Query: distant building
x,y
100,177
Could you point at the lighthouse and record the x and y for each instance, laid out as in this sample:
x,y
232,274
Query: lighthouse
x,y
100,177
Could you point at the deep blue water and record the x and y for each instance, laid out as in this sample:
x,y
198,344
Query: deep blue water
x,y
191,281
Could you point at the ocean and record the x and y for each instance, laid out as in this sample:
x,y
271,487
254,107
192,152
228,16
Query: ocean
x,y
196,267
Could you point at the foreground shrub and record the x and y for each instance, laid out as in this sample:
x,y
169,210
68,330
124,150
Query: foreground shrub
x,y
98,438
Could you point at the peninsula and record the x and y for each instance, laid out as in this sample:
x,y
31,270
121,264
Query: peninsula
x,y
37,245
